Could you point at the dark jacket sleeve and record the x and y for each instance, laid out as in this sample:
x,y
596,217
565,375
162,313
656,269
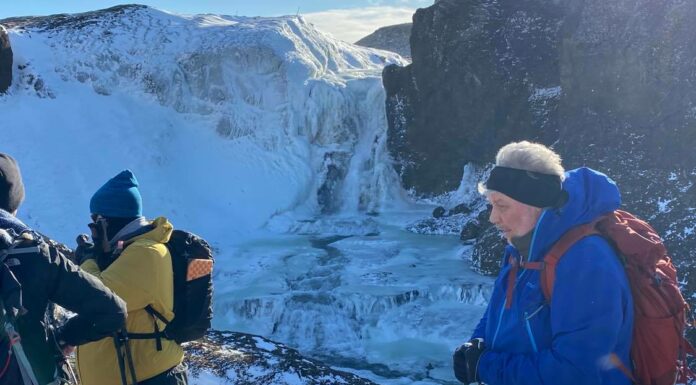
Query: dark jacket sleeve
x,y
99,312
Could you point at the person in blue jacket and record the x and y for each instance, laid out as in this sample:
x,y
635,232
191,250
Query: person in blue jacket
x,y
583,336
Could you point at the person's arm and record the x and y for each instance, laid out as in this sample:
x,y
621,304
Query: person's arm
x,y
99,312
587,312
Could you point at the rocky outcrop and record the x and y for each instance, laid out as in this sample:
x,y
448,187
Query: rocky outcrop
x,y
77,21
608,83
393,38
225,357
5,61
472,84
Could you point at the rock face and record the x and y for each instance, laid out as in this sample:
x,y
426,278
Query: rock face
x,y
608,83
5,61
238,358
393,38
472,84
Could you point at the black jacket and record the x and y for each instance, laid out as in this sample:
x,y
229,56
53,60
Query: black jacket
x,y
49,277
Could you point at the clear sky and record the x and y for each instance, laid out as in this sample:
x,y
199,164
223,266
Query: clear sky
x,y
346,19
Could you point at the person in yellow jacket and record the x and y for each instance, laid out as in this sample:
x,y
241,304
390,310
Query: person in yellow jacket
x,y
130,257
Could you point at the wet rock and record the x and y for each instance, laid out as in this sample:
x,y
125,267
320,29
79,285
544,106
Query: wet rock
x,y
488,251
462,208
470,231
439,212
5,61
446,225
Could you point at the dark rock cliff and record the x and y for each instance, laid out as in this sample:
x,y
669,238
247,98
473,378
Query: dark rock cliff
x,y
393,38
481,72
608,83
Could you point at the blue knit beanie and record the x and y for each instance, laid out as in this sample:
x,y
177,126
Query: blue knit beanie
x,y
118,198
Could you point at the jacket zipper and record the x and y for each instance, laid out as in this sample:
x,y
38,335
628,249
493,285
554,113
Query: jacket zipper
x,y
529,332
500,321
527,317
502,309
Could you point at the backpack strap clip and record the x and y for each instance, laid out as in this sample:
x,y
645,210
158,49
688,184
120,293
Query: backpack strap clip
x,y
158,334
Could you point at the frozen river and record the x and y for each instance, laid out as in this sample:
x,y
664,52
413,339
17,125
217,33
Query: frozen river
x,y
359,293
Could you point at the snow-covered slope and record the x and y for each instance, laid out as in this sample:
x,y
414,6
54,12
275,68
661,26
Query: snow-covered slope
x,y
301,113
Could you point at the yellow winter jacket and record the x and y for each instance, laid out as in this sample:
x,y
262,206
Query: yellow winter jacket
x,y
142,275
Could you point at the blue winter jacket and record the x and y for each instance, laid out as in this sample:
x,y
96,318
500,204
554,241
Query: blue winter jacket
x,y
568,341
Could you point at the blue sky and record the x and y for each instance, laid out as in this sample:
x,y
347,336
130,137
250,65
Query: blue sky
x,y
346,19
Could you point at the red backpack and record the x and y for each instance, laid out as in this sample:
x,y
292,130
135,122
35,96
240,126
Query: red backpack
x,y
659,347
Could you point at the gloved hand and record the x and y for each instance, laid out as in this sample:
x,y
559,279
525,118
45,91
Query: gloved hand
x,y
85,249
466,359
473,354
459,364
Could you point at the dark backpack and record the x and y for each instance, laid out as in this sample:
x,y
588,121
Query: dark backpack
x,y
659,348
32,361
192,260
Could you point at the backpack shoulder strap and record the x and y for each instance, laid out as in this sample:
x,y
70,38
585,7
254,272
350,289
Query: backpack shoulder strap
x,y
572,236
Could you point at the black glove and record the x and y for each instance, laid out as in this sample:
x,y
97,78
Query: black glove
x,y
85,249
466,359
473,354
459,364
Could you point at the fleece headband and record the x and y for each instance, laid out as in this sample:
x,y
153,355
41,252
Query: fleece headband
x,y
531,188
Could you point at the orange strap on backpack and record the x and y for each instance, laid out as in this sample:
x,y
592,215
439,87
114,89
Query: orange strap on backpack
x,y
548,266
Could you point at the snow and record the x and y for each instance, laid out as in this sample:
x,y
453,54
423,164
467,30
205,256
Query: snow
x,y
268,138
261,344
205,378
545,93
663,205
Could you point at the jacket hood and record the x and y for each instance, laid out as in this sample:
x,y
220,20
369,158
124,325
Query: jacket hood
x,y
160,233
591,194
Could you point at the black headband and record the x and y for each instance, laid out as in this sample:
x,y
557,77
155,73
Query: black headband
x,y
531,188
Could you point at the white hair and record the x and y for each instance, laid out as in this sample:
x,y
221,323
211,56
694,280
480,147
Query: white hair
x,y
528,156
531,157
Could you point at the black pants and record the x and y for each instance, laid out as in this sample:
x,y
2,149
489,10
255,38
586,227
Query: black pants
x,y
174,376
